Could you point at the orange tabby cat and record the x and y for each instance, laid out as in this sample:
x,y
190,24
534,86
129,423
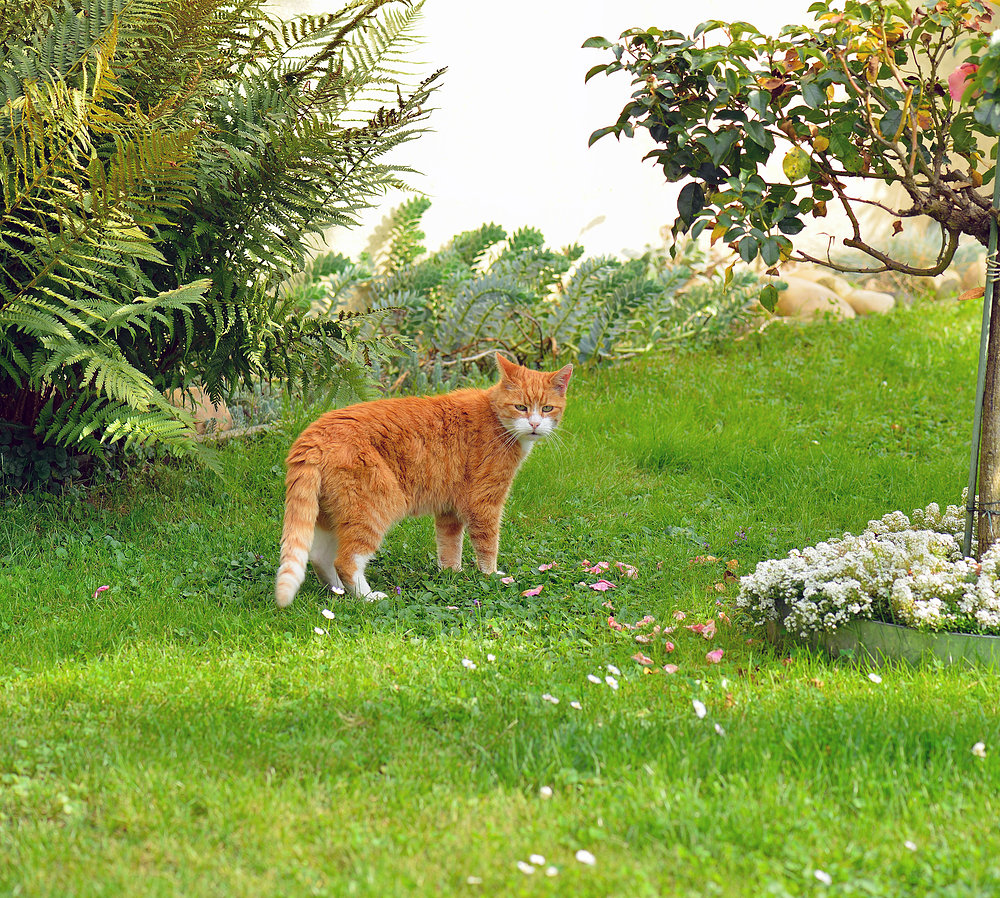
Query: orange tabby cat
x,y
355,472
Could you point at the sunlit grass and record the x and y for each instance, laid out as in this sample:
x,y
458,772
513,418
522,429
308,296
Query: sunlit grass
x,y
175,734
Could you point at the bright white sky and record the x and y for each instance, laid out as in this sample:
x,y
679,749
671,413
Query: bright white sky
x,y
509,132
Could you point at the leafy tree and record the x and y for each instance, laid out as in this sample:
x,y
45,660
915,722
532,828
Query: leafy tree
x,y
164,164
868,93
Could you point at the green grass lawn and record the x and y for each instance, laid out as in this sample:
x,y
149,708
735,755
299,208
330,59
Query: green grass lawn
x,y
177,735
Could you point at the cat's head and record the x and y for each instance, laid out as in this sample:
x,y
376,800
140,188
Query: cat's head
x,y
530,403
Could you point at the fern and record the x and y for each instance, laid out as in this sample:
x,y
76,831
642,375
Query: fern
x,y
164,166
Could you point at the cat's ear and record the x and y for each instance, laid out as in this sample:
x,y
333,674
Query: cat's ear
x,y
560,380
507,369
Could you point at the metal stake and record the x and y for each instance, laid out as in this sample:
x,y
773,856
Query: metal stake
x,y
984,337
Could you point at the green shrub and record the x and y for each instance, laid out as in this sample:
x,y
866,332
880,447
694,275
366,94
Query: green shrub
x,y
163,166
486,289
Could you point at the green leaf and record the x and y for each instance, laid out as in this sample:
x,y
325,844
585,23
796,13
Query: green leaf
x,y
690,202
748,247
768,297
813,95
596,43
770,252
790,225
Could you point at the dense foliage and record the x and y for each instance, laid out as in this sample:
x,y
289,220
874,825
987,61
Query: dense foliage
x,y
486,289
858,96
163,165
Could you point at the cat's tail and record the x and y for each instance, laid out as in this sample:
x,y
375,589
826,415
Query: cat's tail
x,y
301,509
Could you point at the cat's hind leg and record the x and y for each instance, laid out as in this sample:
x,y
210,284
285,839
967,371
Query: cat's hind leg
x,y
357,543
449,531
322,556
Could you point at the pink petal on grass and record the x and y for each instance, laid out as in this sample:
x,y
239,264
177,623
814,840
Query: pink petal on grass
x,y
598,568
601,585
546,567
506,581
679,615
671,668
99,590
614,624
627,569
642,659
532,592
958,80
668,646
714,657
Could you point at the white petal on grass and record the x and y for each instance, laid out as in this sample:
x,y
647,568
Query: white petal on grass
x,y
551,871
911,846
614,670
611,681
576,706
699,708
537,860
875,678
491,658
319,631
474,880
337,590
823,877
470,665
979,749
545,792
328,614
525,868
550,698
585,857
593,679
720,730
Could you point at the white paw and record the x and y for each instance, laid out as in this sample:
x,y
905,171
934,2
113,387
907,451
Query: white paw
x,y
374,596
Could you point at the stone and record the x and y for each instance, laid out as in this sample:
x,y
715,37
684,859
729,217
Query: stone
x,y
947,285
807,300
208,417
869,302
974,274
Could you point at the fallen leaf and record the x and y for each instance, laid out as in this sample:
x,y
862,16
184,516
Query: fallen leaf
x,y
532,592
600,586
974,293
715,656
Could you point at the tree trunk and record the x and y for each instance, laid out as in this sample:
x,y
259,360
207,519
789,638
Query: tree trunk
x,y
988,524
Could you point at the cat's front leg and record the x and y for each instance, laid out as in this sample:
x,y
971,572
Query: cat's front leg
x,y
449,531
484,531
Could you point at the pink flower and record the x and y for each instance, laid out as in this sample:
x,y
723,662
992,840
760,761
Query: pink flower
x,y
600,585
959,79
671,668
668,646
532,592
99,590
714,657
642,659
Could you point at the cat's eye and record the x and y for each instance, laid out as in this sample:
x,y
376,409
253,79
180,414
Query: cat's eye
x,y
521,408
546,408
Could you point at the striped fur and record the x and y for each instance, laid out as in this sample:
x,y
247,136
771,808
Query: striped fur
x,y
355,472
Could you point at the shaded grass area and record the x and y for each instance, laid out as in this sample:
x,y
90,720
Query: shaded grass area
x,y
175,734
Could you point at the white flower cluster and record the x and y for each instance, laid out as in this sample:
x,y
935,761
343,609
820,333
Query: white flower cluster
x,y
909,570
